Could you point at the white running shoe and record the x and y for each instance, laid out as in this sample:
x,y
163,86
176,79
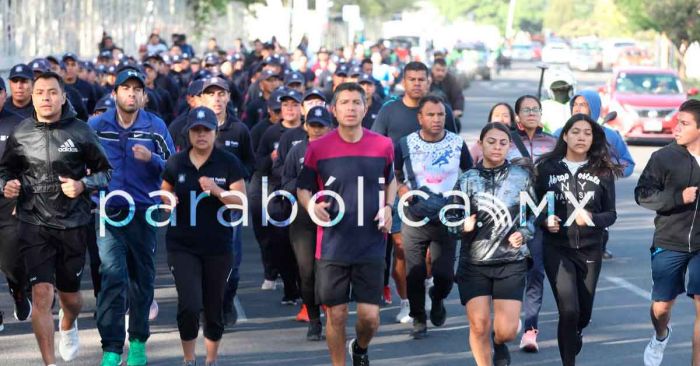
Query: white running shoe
x,y
153,311
68,344
268,285
654,352
402,316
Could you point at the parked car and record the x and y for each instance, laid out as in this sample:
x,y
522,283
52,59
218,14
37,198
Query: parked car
x,y
474,60
586,58
522,52
556,52
646,100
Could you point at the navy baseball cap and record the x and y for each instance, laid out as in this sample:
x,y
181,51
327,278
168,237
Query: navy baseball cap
x,y
111,70
53,59
214,81
128,74
365,78
40,65
266,74
319,115
202,116
153,56
294,77
177,59
21,71
107,55
342,70
316,93
104,103
211,60
70,56
2,84
355,71
291,94
202,74
100,69
195,88
274,102
272,60
185,56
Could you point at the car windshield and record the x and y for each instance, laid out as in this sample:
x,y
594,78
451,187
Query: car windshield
x,y
638,83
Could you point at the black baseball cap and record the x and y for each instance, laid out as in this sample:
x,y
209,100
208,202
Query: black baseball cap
x,y
195,88
104,103
266,74
365,78
274,102
70,56
202,116
215,81
154,55
316,93
294,77
342,70
128,74
291,94
21,71
319,115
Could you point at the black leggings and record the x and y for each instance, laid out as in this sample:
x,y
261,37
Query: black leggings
x,y
573,275
302,233
200,282
11,262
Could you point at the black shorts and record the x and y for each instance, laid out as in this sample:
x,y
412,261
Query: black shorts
x,y
336,280
501,281
55,256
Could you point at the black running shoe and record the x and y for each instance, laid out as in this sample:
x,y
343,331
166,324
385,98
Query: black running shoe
x,y
314,331
501,355
438,313
23,307
420,329
358,359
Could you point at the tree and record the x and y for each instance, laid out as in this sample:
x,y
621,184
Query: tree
x,y
204,9
529,15
678,19
607,21
451,9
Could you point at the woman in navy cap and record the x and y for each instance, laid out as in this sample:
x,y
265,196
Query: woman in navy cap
x,y
206,182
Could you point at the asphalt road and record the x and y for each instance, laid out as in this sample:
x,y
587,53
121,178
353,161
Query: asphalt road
x,y
268,335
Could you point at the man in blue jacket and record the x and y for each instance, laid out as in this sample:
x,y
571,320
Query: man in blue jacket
x,y
137,144
588,102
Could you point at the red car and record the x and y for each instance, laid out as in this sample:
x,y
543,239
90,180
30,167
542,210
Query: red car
x,y
646,100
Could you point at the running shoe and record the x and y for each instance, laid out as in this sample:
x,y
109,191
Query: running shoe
x,y
528,343
402,316
268,285
69,343
654,352
387,295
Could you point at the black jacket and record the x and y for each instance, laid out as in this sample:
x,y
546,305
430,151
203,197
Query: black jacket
x,y
669,171
554,176
38,153
450,89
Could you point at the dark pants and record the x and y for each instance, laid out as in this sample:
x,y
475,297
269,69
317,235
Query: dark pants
x,y
535,282
262,234
11,262
234,279
94,254
573,275
302,233
283,259
200,282
128,274
416,242
387,260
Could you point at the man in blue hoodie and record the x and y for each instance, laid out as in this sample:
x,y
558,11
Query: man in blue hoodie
x,y
588,102
137,144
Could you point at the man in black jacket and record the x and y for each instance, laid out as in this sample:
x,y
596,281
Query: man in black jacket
x,y
669,185
45,166
445,85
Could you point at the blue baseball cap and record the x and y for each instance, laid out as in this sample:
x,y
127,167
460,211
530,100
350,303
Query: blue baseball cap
x,y
274,102
21,71
195,88
315,92
319,115
202,116
266,74
40,65
70,56
342,70
107,55
365,78
291,94
355,71
211,60
216,82
128,74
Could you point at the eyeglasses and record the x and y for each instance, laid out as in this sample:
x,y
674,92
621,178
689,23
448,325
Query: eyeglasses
x,y
531,110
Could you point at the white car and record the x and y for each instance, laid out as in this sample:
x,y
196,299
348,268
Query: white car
x,y
556,53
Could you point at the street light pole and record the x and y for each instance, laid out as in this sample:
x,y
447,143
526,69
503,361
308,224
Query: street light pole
x,y
511,15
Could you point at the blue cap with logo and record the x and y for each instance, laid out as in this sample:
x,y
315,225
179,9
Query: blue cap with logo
x,y
319,115
291,94
342,70
314,92
294,77
21,71
104,103
40,65
70,56
195,88
365,78
216,81
274,102
266,74
128,74
202,116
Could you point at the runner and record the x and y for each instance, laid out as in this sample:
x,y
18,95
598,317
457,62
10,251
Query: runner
x,y
200,255
21,81
302,230
669,186
137,144
579,171
350,255
429,160
53,207
493,261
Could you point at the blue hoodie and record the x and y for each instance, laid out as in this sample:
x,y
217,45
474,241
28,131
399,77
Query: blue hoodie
x,y
619,150
135,177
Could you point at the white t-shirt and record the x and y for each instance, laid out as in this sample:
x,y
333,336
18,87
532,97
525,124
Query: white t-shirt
x,y
697,158
574,165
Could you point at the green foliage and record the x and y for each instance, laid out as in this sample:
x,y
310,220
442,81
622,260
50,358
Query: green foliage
x,y
203,10
529,15
607,21
679,19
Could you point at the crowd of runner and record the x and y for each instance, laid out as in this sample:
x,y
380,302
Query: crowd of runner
x,y
343,161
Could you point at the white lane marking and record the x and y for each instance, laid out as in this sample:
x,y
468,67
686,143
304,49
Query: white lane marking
x,y
239,308
629,286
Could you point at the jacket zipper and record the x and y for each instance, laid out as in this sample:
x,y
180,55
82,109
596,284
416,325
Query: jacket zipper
x,y
695,212
48,153
578,243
